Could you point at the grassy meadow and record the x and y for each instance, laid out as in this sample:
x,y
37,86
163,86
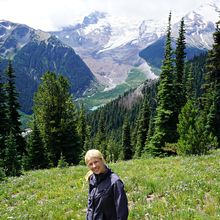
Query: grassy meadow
x,y
160,188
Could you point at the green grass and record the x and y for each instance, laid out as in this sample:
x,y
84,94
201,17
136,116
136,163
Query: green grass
x,y
160,188
134,79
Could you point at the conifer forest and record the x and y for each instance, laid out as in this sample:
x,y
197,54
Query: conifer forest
x,y
178,114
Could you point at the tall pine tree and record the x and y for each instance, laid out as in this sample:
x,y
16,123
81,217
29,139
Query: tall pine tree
x,y
3,117
36,153
87,142
113,149
142,127
81,125
196,125
13,116
193,136
180,99
12,160
126,140
56,119
190,91
100,137
211,98
165,123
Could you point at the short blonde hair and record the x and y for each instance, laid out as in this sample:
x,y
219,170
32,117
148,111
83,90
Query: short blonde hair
x,y
93,153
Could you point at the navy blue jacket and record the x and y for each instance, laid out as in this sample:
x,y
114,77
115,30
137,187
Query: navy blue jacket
x,y
107,199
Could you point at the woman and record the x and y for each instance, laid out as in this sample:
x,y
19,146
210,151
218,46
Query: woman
x,y
107,199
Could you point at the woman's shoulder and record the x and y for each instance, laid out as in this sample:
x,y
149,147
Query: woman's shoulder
x,y
114,178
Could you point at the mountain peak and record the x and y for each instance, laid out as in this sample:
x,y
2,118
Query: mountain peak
x,y
213,2
206,12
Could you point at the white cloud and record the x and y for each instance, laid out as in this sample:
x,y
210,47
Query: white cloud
x,y
52,14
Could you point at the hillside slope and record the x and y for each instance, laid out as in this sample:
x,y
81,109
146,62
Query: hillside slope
x,y
163,188
34,52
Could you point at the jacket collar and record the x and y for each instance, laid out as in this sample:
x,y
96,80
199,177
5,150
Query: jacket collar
x,y
97,178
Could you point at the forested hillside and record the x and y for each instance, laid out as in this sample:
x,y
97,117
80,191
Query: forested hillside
x,y
178,114
181,82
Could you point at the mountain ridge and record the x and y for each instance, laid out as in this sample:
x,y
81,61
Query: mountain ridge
x,y
105,49
34,52
105,39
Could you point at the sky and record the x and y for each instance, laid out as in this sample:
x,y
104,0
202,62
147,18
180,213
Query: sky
x,y
50,15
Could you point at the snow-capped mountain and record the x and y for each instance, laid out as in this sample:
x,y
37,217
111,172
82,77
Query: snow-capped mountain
x,y
35,52
200,25
110,46
14,36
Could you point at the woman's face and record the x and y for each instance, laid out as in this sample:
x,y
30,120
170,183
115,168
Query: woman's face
x,y
96,165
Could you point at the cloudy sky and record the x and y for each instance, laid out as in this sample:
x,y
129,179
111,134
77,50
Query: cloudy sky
x,y
49,15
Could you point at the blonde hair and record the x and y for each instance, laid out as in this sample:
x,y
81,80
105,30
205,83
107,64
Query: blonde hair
x,y
93,153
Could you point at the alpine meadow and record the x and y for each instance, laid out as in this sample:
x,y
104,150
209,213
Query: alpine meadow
x,y
163,188
161,136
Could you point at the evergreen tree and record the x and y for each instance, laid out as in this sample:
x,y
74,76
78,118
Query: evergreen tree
x,y
87,143
35,149
14,124
3,117
180,98
81,127
12,163
62,162
197,69
194,138
126,140
143,126
113,150
211,98
165,123
180,60
150,132
189,84
100,137
2,171
56,119
134,136
70,142
186,128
